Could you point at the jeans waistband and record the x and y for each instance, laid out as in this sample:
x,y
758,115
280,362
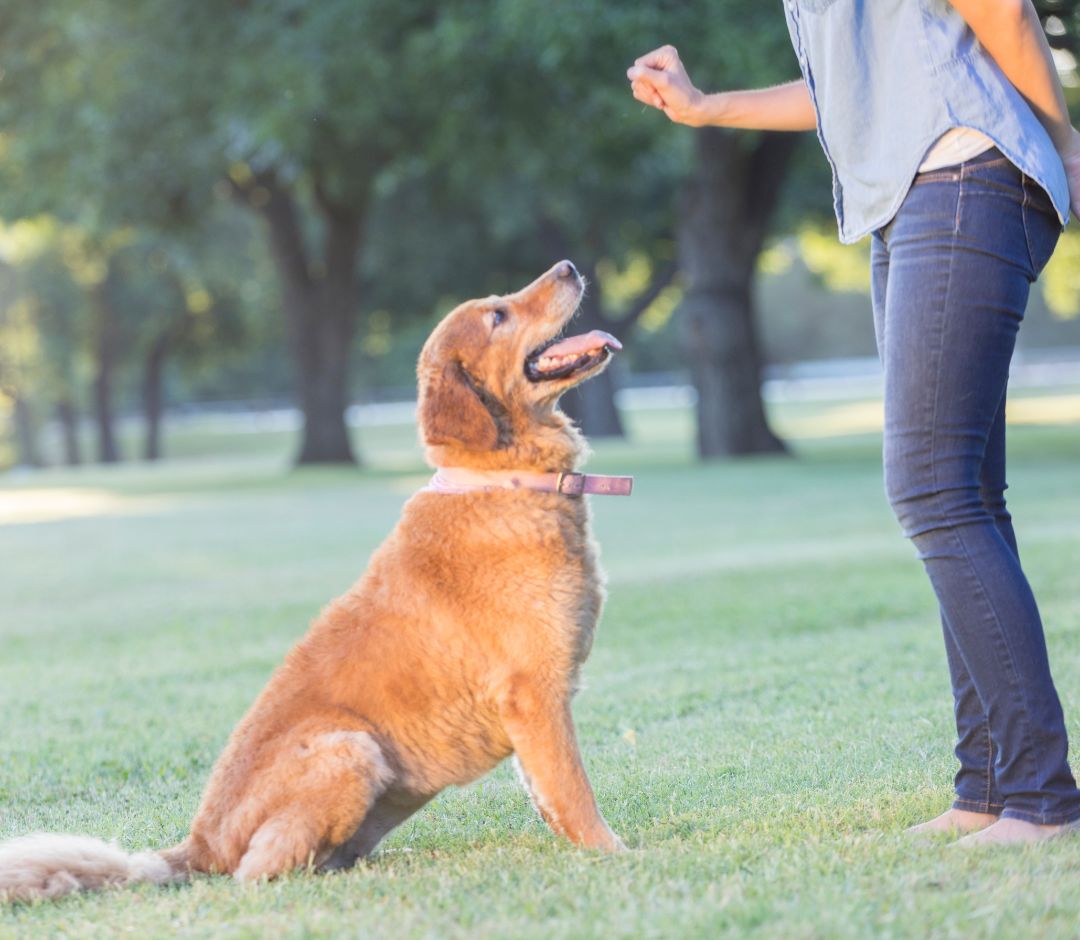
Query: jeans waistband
x,y
987,156
991,157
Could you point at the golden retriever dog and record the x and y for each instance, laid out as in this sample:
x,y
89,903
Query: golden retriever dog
x,y
459,646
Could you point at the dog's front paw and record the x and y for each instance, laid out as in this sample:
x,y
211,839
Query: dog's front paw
x,y
617,846
606,841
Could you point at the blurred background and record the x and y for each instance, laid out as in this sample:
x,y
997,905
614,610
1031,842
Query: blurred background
x,y
226,228
228,225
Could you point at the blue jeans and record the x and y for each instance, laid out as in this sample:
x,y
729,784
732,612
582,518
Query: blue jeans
x,y
950,279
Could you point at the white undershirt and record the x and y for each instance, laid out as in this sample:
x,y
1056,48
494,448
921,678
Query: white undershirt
x,y
956,145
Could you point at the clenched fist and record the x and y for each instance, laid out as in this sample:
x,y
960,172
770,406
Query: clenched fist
x,y
659,79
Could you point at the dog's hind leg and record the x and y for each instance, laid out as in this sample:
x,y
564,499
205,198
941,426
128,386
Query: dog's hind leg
x,y
389,812
320,788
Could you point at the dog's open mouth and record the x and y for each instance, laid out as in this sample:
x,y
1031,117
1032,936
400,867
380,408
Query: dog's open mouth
x,y
561,358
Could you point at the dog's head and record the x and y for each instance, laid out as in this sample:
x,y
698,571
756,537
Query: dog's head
x,y
492,372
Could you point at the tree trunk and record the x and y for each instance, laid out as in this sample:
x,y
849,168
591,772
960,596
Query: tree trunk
x,y
27,453
718,332
153,397
323,361
724,212
592,407
68,419
105,355
321,306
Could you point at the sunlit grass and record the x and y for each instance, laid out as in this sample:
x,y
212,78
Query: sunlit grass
x,y
866,416
25,506
1049,409
766,707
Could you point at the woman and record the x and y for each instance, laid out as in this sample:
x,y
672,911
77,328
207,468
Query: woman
x,y
946,129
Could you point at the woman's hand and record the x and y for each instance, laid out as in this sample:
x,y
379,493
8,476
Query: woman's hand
x,y
1070,156
659,79
1013,36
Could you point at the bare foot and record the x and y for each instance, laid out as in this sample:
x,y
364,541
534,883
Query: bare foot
x,y
1009,831
956,822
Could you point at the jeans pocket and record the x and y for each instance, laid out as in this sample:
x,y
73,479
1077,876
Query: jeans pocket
x,y
1042,230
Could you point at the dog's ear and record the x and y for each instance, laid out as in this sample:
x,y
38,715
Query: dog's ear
x,y
455,409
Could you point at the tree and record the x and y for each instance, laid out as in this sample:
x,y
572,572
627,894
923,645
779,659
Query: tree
x,y
43,336
161,101
320,106
307,111
609,181
727,206
56,303
18,355
178,297
570,167
319,116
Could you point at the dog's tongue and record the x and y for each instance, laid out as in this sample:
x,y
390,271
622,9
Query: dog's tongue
x,y
583,343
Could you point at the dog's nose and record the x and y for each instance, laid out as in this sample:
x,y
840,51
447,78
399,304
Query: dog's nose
x,y
565,269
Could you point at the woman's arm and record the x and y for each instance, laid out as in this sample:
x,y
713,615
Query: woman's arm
x,y
1010,31
659,79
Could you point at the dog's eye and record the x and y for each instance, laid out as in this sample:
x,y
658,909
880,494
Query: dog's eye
x,y
497,317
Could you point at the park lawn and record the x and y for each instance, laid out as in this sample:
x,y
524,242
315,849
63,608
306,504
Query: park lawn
x,y
765,710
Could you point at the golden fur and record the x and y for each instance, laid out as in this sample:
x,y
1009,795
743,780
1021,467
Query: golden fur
x,y
458,647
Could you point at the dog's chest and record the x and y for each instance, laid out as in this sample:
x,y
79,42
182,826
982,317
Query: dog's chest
x,y
523,561
567,593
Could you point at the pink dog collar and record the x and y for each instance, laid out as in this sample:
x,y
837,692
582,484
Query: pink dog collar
x,y
567,483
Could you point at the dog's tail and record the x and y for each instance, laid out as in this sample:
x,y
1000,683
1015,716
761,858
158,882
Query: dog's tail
x,y
49,866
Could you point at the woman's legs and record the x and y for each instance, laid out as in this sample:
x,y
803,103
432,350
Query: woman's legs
x,y
976,787
974,749
952,273
978,803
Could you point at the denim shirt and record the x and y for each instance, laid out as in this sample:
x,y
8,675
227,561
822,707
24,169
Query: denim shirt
x,y
887,78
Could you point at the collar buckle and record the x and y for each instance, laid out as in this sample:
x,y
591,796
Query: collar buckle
x,y
577,486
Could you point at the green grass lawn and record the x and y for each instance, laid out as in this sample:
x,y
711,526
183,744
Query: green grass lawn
x,y
765,710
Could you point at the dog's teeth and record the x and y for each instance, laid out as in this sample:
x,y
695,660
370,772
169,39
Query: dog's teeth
x,y
551,363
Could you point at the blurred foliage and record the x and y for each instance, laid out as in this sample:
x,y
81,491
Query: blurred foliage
x,y
1061,20
42,322
478,142
1061,277
838,267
